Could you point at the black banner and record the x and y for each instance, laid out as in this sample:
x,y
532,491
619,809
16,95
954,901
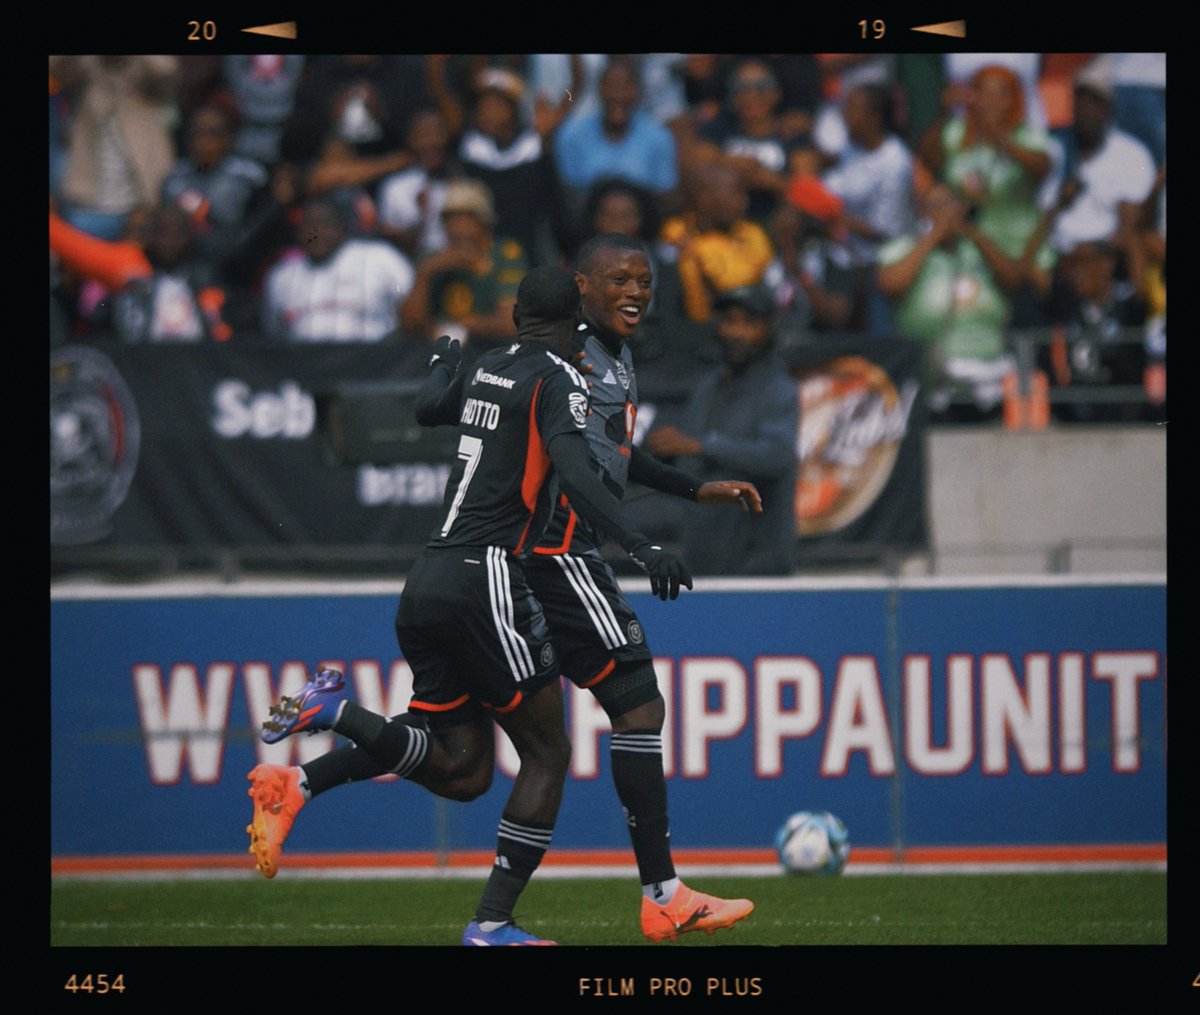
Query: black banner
x,y
271,445
861,453
315,446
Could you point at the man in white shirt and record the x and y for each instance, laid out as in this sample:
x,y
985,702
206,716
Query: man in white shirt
x,y
1113,171
336,288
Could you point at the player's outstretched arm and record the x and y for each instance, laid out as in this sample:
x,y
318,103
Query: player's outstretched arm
x,y
644,468
594,503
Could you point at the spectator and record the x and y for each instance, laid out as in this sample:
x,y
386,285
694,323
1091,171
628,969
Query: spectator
x,y
119,146
992,158
264,87
712,242
874,179
842,73
211,183
1108,176
514,162
960,68
1098,335
742,416
411,201
336,288
817,295
998,164
181,300
949,284
346,129
618,139
469,288
754,139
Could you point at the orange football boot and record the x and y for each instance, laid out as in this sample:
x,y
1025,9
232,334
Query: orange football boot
x,y
689,910
275,790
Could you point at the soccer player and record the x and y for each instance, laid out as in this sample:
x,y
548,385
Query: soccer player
x,y
473,633
598,638
600,642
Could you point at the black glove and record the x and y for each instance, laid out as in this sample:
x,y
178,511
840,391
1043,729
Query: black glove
x,y
449,351
667,572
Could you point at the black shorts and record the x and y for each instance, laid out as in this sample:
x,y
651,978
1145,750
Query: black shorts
x,y
591,621
473,633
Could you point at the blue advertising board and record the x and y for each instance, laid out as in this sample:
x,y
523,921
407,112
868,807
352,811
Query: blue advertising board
x,y
923,713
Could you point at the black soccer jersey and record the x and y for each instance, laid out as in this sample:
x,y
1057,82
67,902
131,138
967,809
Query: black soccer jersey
x,y
613,391
509,405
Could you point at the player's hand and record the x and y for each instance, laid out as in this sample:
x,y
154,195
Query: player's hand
x,y
723,491
667,572
447,350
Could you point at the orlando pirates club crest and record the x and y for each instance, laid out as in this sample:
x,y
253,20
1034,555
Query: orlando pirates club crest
x,y
95,434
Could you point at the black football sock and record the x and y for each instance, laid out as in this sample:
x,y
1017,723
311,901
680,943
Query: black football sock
x,y
342,765
520,846
637,770
347,764
394,745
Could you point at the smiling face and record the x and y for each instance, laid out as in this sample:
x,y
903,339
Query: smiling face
x,y
616,286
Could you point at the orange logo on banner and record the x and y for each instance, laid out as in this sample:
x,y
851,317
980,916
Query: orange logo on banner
x,y
852,420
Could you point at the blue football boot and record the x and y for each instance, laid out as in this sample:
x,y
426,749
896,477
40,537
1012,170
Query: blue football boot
x,y
314,707
506,934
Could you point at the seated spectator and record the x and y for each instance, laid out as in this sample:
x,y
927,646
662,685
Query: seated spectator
x,y
211,183
618,140
741,417
713,244
181,299
754,138
516,165
335,288
1107,178
161,292
874,179
949,284
469,288
1098,336
818,293
411,201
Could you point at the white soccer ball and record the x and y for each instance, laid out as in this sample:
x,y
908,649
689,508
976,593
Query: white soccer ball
x,y
813,842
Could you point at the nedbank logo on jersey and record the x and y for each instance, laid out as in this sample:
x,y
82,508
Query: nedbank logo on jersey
x,y
483,377
95,434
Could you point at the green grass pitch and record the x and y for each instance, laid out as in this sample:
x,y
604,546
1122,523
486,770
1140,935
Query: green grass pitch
x,y
949,942
1085,908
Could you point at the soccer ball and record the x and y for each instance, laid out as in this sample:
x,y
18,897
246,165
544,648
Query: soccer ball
x,y
813,842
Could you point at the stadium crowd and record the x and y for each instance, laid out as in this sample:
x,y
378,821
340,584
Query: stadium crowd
x,y
957,200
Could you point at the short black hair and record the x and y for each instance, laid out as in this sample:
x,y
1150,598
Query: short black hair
x,y
605,241
548,293
647,205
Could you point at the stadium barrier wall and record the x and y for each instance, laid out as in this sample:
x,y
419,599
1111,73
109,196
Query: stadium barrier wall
x,y
928,714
